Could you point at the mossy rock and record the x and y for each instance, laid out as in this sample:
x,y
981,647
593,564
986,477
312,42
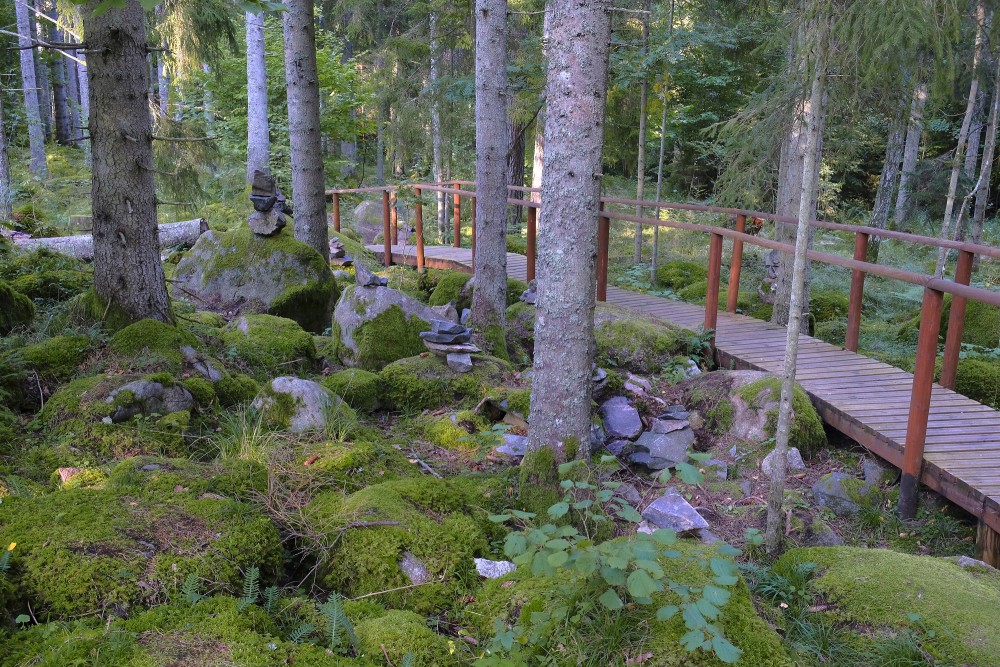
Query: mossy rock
x,y
269,344
154,340
398,633
277,275
449,290
426,382
236,479
636,343
979,379
235,389
982,325
85,550
828,305
832,331
58,358
88,308
453,431
807,431
679,274
360,389
46,275
521,332
433,523
16,310
354,465
877,588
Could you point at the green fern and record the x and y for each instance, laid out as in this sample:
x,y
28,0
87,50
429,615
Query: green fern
x,y
409,660
271,596
5,562
190,589
298,634
251,588
336,620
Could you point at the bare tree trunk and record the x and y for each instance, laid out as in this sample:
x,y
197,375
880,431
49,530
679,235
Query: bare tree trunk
x,y
60,102
36,130
85,107
538,157
302,86
258,129
380,123
914,130
659,192
579,35
489,300
6,195
989,148
894,147
128,274
640,170
437,168
515,171
807,205
82,247
162,85
73,93
42,72
975,136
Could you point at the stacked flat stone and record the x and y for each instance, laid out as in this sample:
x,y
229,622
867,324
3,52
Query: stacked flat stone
x,y
453,341
530,295
365,278
338,254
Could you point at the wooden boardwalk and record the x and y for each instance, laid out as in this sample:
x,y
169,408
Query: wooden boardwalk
x,y
865,399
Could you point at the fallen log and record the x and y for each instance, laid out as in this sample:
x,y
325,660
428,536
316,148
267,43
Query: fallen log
x,y
82,247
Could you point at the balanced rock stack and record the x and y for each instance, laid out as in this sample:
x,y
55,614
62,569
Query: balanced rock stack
x,y
338,254
365,278
453,341
269,205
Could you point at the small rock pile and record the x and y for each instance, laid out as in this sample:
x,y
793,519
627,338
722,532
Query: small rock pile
x,y
453,341
530,295
338,253
662,446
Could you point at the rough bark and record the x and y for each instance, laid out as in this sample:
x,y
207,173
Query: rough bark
x,y
42,71
85,107
812,129
914,130
975,135
489,300
515,172
538,157
60,100
258,138
82,246
302,86
659,191
128,274
437,168
640,169
579,36
162,85
73,93
889,177
6,196
36,130
986,170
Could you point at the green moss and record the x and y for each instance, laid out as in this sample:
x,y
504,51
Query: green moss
x,y
879,588
539,480
269,344
235,389
388,337
827,305
158,475
151,338
57,358
982,325
807,428
679,274
694,292
16,310
89,308
449,290
496,341
83,550
82,398
979,379
359,388
426,382
515,288
87,478
635,343
400,632
309,305
448,431
201,389
45,275
519,400
832,331
719,417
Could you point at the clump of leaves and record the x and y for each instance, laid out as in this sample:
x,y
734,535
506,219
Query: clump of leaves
x,y
484,442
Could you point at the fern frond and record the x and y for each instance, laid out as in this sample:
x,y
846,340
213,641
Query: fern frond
x,y
190,589
251,587
271,596
298,634
4,562
336,620
409,660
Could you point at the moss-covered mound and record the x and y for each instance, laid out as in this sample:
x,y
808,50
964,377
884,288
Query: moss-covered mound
x,y
426,382
521,332
826,305
398,633
16,310
349,466
86,550
269,344
454,431
632,342
954,608
680,273
431,527
982,325
234,478
979,379
46,275
449,290
57,358
152,340
360,389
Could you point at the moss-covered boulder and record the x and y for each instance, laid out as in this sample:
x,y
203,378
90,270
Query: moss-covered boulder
x,y
426,382
982,325
678,274
151,342
83,551
303,405
360,389
269,344
16,310
277,275
634,342
952,608
450,289
979,379
375,326
46,275
398,633
743,405
232,478
57,358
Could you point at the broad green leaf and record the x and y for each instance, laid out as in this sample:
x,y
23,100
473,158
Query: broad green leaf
x,y
665,536
557,544
583,504
524,516
540,565
689,474
566,484
608,458
566,468
613,576
723,567
515,545
707,609
558,510
611,600
693,640
558,558
585,563
693,618
499,518
667,612
715,595
652,567
641,585
725,651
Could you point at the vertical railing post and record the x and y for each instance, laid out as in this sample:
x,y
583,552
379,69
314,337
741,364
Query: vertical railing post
x,y
386,236
456,238
920,401
861,240
712,293
956,321
394,218
336,212
532,240
472,219
603,238
736,266
418,222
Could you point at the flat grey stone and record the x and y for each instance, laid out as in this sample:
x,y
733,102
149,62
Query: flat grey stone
x,y
671,511
204,366
365,278
822,535
618,447
691,369
668,425
447,349
448,327
466,315
877,472
793,461
621,420
629,494
150,467
834,490
460,362
659,451
446,312
150,398
971,563
674,412
513,445
716,467
493,569
640,382
414,569
266,223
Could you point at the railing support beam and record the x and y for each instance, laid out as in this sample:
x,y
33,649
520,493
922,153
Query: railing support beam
x,y
712,294
857,293
956,322
532,240
603,238
456,237
418,222
386,232
736,266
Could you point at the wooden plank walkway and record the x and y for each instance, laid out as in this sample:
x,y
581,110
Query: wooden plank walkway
x,y
865,399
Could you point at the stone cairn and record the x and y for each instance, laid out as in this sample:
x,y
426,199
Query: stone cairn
x,y
270,206
365,278
452,341
338,253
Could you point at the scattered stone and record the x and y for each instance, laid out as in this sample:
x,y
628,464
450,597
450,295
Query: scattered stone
x,y
716,467
639,382
659,451
708,537
530,295
621,420
444,350
793,461
337,249
415,569
822,535
619,447
668,425
645,527
597,437
671,511
879,473
676,412
838,491
599,376
691,369
513,445
202,365
460,362
629,494
746,486
971,563
365,278
312,404
149,467
266,223
466,316
66,474
493,569
147,398
446,312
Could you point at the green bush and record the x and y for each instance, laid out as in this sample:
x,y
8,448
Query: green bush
x,y
678,274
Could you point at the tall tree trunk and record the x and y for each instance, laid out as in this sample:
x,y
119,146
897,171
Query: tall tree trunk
x,y
73,93
489,300
985,171
975,135
42,71
515,171
349,146
85,107
894,146
6,195
302,85
812,128
162,84
128,274
60,101
29,84
437,168
640,169
538,157
258,129
579,35
914,130
659,189
380,123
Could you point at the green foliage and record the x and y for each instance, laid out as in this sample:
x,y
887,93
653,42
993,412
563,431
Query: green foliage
x,y
400,633
337,622
16,310
45,275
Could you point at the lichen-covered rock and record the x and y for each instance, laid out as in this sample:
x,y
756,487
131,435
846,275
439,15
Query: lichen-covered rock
x,y
635,343
303,405
360,389
375,326
840,492
277,275
426,382
148,397
16,309
269,344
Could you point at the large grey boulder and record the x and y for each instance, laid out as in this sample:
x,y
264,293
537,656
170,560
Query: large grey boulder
x,y
793,461
659,451
840,492
620,419
673,512
313,407
148,398
379,325
368,222
242,272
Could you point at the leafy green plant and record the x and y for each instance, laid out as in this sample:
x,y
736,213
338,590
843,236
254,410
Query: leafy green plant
x,y
484,442
5,558
793,591
336,622
251,587
190,589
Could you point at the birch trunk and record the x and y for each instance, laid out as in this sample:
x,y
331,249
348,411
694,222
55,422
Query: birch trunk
x,y
812,129
640,170
914,130
258,129
489,300
128,274
986,170
894,146
437,167
579,36
29,84
302,87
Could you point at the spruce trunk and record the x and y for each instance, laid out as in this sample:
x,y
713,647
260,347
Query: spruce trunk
x,y
437,167
640,169
889,177
914,130
258,137
986,170
36,130
6,195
